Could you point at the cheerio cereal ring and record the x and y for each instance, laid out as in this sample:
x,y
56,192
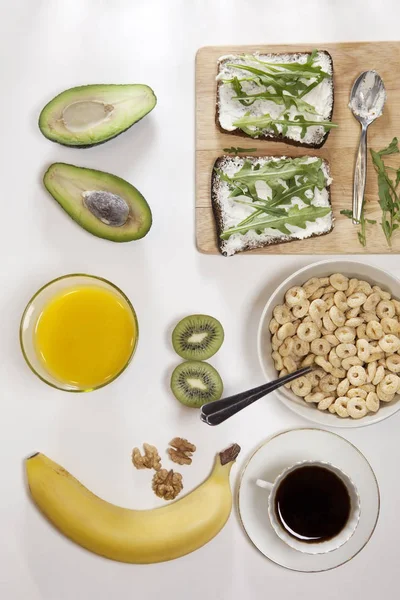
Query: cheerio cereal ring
x,y
385,308
341,406
334,359
273,325
300,347
308,360
382,293
390,384
379,375
374,330
332,339
346,350
282,314
357,375
327,322
352,313
356,299
301,387
329,383
356,408
364,286
278,362
289,364
393,363
286,349
317,310
339,282
340,300
295,295
314,397
363,350
337,316
320,361
301,310
357,392
351,361
320,347
332,409
390,325
353,284
311,286
308,332
382,396
372,402
389,343
371,302
343,387
346,335
326,402
284,331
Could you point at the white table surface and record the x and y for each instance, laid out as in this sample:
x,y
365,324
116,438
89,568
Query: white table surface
x,y
45,47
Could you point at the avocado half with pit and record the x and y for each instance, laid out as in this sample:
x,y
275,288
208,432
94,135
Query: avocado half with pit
x,y
92,114
103,204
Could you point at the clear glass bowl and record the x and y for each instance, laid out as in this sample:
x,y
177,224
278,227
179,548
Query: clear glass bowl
x,y
34,309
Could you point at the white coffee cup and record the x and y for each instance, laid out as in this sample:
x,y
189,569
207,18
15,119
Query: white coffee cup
x,y
318,547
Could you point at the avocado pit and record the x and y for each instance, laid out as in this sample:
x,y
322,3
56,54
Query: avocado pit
x,y
85,114
109,208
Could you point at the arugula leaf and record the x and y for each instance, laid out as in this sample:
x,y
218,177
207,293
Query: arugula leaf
x,y
295,216
266,122
387,190
362,234
238,150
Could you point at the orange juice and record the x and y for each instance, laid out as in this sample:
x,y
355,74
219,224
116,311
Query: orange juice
x,y
85,336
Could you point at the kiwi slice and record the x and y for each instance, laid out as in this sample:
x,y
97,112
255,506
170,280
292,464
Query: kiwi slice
x,y
194,383
197,337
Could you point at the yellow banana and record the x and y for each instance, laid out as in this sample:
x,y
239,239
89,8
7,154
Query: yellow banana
x,y
133,536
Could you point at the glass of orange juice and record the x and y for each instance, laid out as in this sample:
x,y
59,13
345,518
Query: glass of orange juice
x,y
79,333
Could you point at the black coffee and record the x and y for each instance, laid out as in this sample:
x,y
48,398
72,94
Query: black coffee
x,y
312,504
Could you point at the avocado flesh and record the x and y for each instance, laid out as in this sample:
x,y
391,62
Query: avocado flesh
x,y
69,185
92,114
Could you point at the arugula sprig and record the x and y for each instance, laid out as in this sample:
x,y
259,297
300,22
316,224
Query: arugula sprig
x,y
387,190
362,234
238,150
284,84
286,179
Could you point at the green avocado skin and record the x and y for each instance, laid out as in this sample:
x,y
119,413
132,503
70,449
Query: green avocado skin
x,y
136,110
65,183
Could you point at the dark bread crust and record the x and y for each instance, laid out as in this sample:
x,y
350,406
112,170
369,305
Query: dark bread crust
x,y
279,137
216,208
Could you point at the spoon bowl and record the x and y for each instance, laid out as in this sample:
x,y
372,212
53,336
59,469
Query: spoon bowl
x,y
367,99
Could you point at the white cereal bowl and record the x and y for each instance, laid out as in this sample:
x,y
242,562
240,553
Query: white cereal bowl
x,y
324,268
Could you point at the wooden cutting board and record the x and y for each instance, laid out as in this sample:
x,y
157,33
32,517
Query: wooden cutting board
x,y
349,60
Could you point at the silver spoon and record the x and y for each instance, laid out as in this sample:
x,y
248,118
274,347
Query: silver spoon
x,y
215,413
367,99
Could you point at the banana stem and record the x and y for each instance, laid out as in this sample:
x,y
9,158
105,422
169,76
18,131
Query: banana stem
x,y
229,454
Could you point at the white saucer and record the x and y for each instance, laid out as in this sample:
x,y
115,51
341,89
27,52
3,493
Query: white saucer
x,y
283,450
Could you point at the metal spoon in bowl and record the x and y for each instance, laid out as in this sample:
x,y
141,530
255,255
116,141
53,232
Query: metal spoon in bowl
x,y
367,99
215,413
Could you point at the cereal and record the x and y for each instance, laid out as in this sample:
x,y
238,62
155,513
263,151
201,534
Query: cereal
x,y
385,308
341,406
329,383
340,300
343,387
389,343
301,310
320,347
287,348
326,402
357,375
296,295
390,325
374,330
372,402
339,282
371,302
337,316
346,350
350,333
345,335
353,285
301,387
357,408
379,375
300,347
363,350
308,360
356,299
314,397
282,314
308,332
357,392
393,363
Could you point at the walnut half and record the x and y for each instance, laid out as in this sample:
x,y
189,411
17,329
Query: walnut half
x,y
150,460
181,451
167,484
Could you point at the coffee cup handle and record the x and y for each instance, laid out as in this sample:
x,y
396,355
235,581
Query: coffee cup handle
x,y
264,484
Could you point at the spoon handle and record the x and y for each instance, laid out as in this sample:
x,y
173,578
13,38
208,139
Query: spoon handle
x,y
360,175
218,411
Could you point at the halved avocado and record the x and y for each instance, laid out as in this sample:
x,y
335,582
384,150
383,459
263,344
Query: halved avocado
x,y
92,114
103,204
